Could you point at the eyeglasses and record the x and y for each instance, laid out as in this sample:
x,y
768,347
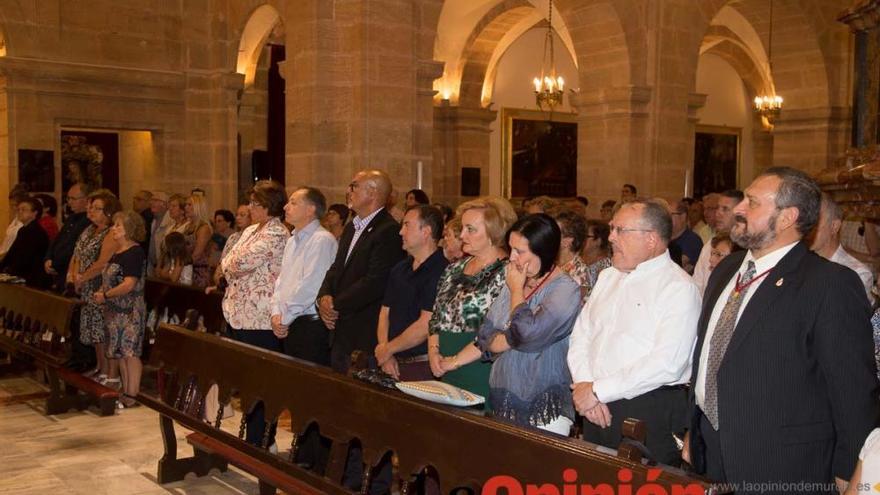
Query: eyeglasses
x,y
353,186
623,230
96,208
254,203
75,198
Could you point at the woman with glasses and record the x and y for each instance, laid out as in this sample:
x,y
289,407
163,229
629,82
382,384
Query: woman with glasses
x,y
93,251
25,257
251,267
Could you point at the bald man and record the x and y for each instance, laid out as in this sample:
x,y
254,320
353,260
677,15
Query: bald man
x,y
351,295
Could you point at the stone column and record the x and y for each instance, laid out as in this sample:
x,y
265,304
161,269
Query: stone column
x,y
461,137
357,97
612,146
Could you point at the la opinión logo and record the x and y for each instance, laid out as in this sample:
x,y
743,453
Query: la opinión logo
x,y
509,485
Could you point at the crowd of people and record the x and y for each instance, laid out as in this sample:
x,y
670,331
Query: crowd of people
x,y
736,325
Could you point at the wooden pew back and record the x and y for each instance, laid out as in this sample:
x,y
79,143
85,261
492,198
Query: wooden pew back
x,y
178,299
36,321
463,447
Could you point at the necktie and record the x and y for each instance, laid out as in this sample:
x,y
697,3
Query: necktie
x,y
719,342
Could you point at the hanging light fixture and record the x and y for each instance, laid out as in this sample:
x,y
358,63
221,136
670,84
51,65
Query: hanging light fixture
x,y
549,86
769,106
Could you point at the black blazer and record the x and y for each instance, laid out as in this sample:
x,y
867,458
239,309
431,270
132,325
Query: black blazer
x,y
797,390
25,257
357,287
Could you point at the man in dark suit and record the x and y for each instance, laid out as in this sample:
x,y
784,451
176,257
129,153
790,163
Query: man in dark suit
x,y
784,386
351,295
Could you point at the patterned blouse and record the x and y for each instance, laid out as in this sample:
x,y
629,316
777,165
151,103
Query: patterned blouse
x,y
463,300
585,275
251,267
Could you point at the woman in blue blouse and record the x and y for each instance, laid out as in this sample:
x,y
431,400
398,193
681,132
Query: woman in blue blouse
x,y
526,331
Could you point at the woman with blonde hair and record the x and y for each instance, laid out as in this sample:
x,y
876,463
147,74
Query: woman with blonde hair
x,y
198,234
467,289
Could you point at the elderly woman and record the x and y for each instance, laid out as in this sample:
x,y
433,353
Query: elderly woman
x,y
250,268
93,250
574,232
25,257
122,299
526,332
451,242
177,213
597,251
198,234
467,289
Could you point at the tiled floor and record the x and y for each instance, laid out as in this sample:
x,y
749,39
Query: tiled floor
x,y
83,453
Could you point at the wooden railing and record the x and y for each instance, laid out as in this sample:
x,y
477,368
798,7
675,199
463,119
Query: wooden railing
x,y
465,448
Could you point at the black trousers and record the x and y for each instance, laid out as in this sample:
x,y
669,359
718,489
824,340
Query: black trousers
x,y
256,420
664,412
308,339
711,450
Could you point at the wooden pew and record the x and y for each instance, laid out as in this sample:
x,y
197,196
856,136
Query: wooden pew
x,y
463,447
178,299
36,326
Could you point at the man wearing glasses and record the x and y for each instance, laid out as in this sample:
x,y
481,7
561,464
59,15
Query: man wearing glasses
x,y
630,348
60,251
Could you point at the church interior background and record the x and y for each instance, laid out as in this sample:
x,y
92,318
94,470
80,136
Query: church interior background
x,y
211,94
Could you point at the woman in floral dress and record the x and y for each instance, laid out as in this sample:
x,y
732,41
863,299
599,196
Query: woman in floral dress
x,y
122,300
90,255
467,289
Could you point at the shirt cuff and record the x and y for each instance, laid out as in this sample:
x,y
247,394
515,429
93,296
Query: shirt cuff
x,y
603,388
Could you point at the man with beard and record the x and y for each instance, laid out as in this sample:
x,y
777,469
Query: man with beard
x,y
784,387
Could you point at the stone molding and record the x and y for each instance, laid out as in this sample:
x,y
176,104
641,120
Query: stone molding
x,y
696,101
465,118
863,16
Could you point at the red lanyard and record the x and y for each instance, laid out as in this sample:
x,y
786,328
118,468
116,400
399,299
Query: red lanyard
x,y
540,284
737,289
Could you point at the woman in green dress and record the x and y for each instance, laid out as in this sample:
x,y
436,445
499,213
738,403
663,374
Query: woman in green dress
x,y
467,289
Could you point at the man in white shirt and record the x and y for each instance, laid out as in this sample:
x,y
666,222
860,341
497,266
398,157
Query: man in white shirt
x,y
724,221
826,243
307,256
630,348
784,386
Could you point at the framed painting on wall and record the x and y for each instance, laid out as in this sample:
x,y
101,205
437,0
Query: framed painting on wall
x,y
90,157
716,159
539,155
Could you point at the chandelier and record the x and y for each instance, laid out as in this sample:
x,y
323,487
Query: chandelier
x,y
769,106
549,87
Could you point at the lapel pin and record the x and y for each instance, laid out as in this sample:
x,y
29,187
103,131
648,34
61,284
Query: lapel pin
x,y
779,283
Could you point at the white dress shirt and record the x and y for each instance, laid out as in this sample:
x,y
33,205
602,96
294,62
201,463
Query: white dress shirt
x,y
701,269
308,255
762,264
844,258
11,233
637,331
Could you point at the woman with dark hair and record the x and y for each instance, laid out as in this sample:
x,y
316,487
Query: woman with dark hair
x,y
597,251
93,251
415,197
526,331
49,220
175,264
336,218
250,268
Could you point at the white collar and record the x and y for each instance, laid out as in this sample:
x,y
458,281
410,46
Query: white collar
x,y
770,259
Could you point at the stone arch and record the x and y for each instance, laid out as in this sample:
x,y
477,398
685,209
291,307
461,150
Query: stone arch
x,y
482,30
260,24
722,42
483,43
603,47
